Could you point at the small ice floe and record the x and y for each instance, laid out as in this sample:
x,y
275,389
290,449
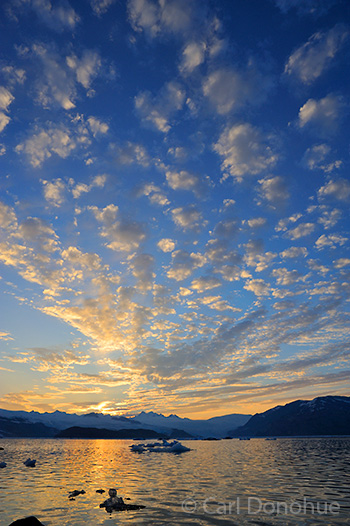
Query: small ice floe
x,y
115,503
3,464
160,447
30,463
75,493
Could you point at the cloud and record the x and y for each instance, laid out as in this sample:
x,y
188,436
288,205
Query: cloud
x,y
14,75
205,283
41,145
256,257
329,218
294,252
142,266
184,264
59,78
310,60
257,222
331,241
274,190
286,277
166,245
323,115
157,111
314,158
8,218
122,234
81,188
5,100
4,120
154,194
283,223
341,262
59,16
132,152
258,286
97,127
306,7
55,82
188,218
184,180
54,191
302,230
228,90
86,68
335,189
227,228
39,233
244,151
157,17
192,56
100,7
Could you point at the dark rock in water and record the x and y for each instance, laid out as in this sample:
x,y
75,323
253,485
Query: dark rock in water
x,y
75,493
115,503
1,449
30,463
100,491
28,521
3,464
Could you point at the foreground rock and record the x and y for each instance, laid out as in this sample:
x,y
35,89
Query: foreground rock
x,y
28,521
30,463
160,447
75,493
115,503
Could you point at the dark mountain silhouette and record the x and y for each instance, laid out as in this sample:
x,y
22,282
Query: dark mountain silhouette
x,y
326,415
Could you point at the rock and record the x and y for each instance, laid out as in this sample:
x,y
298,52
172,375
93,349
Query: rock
x,y
75,493
28,521
3,464
30,463
1,449
115,503
100,491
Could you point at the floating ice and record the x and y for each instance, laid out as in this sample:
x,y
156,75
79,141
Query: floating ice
x,y
160,447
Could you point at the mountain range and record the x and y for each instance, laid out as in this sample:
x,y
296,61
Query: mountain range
x,y
328,415
34,424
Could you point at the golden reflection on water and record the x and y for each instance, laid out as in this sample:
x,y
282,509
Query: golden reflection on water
x,y
219,472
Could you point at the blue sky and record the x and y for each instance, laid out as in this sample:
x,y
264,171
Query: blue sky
x,y
174,210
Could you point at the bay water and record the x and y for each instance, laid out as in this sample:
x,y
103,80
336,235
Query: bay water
x,y
286,482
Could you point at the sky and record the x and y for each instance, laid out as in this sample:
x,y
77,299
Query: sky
x,y
174,204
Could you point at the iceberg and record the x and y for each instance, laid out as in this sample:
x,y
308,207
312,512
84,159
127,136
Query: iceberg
x,y
160,447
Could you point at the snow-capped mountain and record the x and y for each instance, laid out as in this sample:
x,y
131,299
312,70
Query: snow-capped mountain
x,y
22,423
218,426
325,415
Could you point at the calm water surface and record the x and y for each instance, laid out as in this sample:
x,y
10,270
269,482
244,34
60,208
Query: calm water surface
x,y
222,483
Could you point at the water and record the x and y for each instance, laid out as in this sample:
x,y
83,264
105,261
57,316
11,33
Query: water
x,y
229,482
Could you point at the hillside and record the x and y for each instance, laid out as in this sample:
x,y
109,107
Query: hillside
x,y
327,415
